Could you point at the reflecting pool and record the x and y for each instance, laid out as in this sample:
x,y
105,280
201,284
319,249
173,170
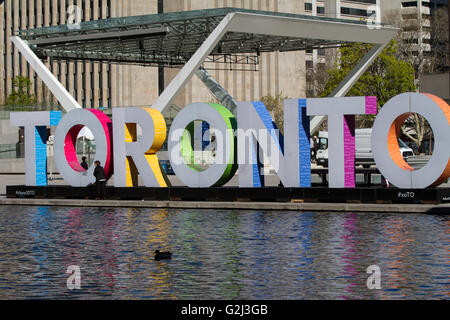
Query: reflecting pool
x,y
221,254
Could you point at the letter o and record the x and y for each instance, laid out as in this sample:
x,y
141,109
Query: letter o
x,y
224,166
386,131
65,140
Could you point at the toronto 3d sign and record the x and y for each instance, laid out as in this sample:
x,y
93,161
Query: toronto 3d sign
x,y
238,142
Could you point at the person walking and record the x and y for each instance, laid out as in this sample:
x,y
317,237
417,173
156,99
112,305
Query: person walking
x,y
384,182
100,180
315,147
84,164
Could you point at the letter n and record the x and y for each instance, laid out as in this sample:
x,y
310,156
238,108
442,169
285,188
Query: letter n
x,y
258,134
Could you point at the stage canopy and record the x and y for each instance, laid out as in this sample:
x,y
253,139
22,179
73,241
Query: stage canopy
x,y
188,39
171,39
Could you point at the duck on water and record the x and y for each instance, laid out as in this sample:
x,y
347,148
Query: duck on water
x,y
162,255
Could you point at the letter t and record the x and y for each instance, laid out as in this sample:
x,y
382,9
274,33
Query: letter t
x,y
341,134
35,124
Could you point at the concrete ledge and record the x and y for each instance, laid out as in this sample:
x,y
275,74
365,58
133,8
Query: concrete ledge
x,y
316,207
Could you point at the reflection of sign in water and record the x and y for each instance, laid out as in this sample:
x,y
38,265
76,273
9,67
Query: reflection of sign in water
x,y
238,143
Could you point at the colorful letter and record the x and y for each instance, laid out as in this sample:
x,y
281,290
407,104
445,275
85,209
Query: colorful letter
x,y
35,124
65,141
181,154
289,155
386,131
341,134
133,156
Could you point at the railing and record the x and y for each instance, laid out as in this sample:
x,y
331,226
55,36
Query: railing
x,y
5,110
8,151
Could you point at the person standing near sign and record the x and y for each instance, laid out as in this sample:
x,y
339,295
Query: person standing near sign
x,y
315,148
84,164
100,180
384,182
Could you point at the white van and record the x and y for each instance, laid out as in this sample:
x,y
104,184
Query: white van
x,y
363,148
322,152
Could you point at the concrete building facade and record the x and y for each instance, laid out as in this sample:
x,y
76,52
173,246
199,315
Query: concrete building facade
x,y
92,84
415,17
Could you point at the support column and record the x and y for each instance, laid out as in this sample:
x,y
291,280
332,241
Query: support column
x,y
64,97
23,26
344,87
186,73
217,90
161,83
333,8
2,52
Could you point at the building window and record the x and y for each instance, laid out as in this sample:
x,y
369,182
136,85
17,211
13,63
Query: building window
x,y
75,82
354,12
92,86
409,4
100,84
364,1
108,4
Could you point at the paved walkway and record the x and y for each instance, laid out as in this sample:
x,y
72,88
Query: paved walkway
x,y
315,207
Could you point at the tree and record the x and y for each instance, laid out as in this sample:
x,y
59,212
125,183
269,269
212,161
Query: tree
x,y
20,95
387,77
275,105
317,74
410,46
439,56
422,41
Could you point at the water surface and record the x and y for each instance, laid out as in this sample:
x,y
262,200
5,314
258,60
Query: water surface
x,y
221,254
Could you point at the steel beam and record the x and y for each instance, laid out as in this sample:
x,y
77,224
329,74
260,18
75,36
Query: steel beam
x,y
99,36
307,28
113,57
217,90
191,67
344,87
58,90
